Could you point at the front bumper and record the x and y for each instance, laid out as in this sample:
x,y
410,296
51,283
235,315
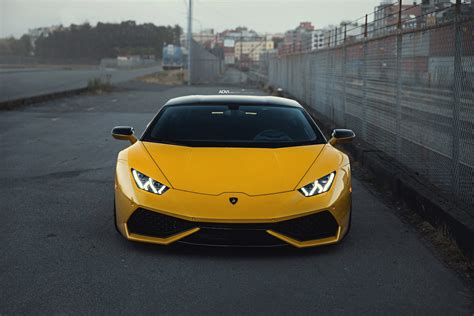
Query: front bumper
x,y
319,227
265,220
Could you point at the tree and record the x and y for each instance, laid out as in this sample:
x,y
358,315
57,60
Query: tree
x,y
106,40
15,47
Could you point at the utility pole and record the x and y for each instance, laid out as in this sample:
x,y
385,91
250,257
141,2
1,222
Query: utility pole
x,y
241,42
240,55
190,38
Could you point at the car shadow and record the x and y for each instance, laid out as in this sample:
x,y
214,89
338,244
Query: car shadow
x,y
187,250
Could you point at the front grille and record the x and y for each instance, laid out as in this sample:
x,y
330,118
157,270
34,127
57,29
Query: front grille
x,y
236,236
310,227
315,226
148,223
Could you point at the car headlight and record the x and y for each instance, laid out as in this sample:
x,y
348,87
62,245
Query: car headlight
x,y
148,184
319,186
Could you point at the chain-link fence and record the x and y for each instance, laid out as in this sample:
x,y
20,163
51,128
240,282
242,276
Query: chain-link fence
x,y
205,67
409,93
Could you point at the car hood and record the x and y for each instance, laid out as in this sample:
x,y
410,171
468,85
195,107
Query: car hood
x,y
253,171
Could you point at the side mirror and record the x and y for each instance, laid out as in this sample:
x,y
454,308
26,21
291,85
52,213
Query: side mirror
x,y
124,133
340,136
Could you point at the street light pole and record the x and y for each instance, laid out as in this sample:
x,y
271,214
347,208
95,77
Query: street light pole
x,y
190,38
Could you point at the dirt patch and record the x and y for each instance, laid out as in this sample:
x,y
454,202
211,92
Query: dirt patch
x,y
165,77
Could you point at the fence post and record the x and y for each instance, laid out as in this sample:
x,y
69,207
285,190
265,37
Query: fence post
x,y
364,85
345,32
399,22
365,26
313,81
327,92
398,93
457,81
333,83
344,61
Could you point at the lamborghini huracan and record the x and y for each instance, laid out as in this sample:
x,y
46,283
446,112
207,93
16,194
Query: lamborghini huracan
x,y
233,171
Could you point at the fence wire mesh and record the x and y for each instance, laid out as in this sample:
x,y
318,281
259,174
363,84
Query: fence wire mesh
x,y
205,67
408,93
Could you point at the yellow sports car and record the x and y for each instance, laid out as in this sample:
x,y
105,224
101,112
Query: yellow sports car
x,y
233,171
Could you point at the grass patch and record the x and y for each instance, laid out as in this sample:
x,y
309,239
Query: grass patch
x,y
165,77
99,84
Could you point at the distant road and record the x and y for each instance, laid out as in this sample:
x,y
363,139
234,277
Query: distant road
x,y
233,76
28,82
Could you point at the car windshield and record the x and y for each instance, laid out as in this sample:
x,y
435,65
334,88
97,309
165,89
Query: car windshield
x,y
233,126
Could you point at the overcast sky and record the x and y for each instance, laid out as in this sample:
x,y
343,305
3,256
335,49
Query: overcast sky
x,y
265,16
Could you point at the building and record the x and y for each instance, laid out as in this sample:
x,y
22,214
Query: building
x,y
297,40
239,45
431,6
386,17
229,51
239,33
438,11
226,40
313,40
207,38
345,32
252,49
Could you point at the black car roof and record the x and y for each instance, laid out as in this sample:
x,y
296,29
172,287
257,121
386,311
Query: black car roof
x,y
232,99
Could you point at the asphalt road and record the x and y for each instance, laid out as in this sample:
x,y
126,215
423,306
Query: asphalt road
x,y
28,82
61,254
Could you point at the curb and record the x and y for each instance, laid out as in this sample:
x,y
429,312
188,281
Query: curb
x,y
16,103
408,188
